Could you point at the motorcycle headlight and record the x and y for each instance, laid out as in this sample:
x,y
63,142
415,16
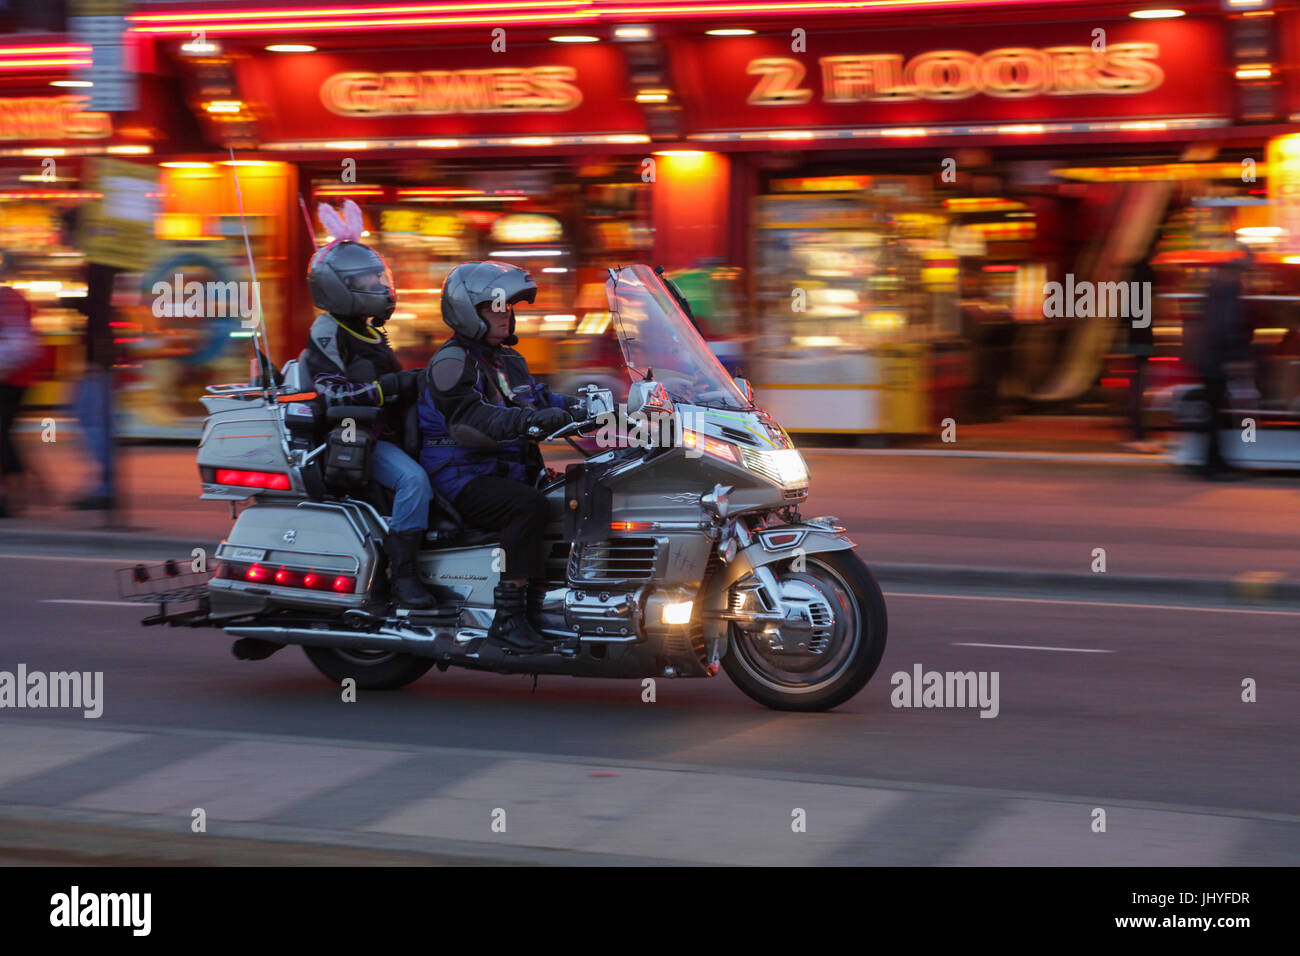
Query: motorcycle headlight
x,y
781,466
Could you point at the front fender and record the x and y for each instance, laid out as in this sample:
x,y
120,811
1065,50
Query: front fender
x,y
714,598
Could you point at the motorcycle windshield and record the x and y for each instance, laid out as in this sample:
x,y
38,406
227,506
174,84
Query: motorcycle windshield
x,y
656,335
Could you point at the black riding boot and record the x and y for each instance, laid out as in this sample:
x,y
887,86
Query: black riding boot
x,y
402,548
510,626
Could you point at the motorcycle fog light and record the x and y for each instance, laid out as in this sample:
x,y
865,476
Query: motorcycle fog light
x,y
678,613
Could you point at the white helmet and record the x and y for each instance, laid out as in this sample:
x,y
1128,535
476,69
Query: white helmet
x,y
471,284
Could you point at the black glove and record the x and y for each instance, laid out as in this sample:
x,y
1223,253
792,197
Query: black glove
x,y
399,386
548,420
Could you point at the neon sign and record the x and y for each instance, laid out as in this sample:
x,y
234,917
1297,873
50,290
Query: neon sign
x,y
541,89
1007,73
51,117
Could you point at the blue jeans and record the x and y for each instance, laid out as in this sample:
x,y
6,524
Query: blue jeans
x,y
396,470
94,405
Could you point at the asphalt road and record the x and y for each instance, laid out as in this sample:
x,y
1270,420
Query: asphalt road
x,y
1134,710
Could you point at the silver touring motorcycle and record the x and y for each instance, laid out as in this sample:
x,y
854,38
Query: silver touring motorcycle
x,y
675,550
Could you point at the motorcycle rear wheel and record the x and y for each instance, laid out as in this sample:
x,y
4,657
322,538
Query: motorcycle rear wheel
x,y
855,639
372,670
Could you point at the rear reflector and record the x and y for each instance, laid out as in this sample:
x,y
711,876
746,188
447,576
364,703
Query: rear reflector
x,y
288,578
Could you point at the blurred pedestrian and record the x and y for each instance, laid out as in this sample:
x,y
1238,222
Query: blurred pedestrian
x,y
94,402
1140,344
19,355
1220,350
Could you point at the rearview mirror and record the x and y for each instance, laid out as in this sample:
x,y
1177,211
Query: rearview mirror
x,y
746,389
648,398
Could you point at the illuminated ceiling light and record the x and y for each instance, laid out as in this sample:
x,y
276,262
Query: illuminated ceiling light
x,y
634,33
730,32
679,152
1157,14
575,38
627,138
130,150
291,48
244,162
1238,4
652,96
1023,128
77,83
532,141
904,131
438,143
792,134
195,46
224,106
185,165
1254,71
347,144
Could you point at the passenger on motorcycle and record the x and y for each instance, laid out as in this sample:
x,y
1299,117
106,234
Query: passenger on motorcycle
x,y
476,406
351,363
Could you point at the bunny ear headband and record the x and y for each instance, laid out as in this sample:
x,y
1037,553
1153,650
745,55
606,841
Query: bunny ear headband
x,y
345,228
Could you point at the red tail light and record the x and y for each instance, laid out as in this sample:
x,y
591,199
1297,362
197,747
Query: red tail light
x,y
311,580
286,578
342,583
271,480
255,572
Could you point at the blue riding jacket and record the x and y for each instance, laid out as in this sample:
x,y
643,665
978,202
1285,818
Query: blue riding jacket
x,y
474,403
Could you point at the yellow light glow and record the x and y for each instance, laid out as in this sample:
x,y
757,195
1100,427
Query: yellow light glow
x,y
74,83
575,38
291,48
1158,14
185,165
438,143
130,150
678,613
730,32
1254,72
224,106
634,33
652,96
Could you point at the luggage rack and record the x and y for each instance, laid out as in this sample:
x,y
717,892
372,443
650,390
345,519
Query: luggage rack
x,y
171,582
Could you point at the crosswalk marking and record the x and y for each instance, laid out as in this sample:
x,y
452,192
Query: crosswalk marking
x,y
240,780
27,751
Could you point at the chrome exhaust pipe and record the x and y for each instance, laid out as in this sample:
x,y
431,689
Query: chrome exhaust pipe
x,y
348,640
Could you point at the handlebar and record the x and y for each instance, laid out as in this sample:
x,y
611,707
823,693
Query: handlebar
x,y
564,431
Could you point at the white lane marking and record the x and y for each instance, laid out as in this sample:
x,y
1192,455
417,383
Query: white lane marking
x,y
1031,647
105,603
1025,600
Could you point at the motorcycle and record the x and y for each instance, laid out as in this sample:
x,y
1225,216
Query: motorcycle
x,y
676,547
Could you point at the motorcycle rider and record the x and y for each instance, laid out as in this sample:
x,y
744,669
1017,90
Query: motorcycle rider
x,y
477,404
351,363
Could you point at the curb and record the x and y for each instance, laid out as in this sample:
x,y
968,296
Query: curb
x,y
1256,587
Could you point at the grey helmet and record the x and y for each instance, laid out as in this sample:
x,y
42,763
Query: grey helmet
x,y
471,284
333,278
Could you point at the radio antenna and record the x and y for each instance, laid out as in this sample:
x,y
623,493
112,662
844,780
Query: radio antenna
x,y
263,355
264,350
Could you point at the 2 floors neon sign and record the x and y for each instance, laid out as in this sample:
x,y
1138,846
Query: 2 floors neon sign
x,y
1007,72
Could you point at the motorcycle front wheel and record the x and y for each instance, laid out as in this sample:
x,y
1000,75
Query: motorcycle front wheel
x,y
847,610
372,670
